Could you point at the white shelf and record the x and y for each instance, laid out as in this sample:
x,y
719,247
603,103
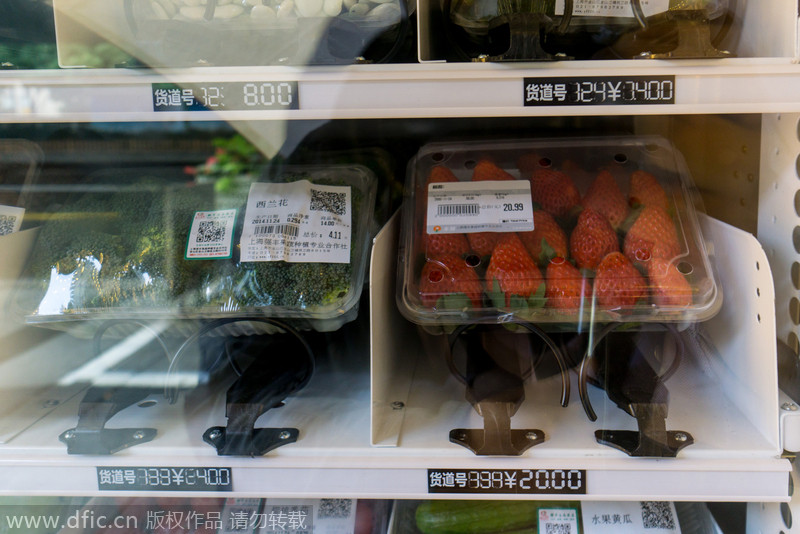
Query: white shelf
x,y
743,85
354,444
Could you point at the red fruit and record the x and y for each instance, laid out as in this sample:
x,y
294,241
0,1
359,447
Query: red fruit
x,y
513,269
566,287
646,191
592,239
618,283
667,285
546,231
438,244
482,243
652,235
605,197
554,191
528,163
448,274
440,174
486,170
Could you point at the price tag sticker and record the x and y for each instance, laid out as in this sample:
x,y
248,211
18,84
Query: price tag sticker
x,y
119,478
611,8
468,207
297,222
211,235
508,481
599,91
558,521
653,517
10,219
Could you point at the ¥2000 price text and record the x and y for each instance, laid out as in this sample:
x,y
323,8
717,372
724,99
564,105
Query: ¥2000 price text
x,y
510,481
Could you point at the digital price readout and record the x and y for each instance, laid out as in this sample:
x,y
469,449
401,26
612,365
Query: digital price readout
x,y
165,478
508,481
599,91
225,96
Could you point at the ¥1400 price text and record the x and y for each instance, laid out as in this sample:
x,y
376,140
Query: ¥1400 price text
x,y
510,481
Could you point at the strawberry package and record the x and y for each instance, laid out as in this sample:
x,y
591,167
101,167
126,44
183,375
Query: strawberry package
x,y
553,232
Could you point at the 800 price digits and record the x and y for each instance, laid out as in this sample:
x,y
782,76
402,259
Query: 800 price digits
x,y
526,481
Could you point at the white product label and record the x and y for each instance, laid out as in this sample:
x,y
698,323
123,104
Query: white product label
x,y
10,219
653,517
297,222
306,516
211,235
612,8
558,521
469,207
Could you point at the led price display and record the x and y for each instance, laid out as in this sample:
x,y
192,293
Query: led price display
x,y
508,481
225,96
165,478
599,91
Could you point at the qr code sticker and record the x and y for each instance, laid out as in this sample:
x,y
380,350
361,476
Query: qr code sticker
x,y
657,515
7,224
329,201
335,508
210,231
558,528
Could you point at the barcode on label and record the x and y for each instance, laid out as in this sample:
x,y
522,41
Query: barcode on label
x,y
657,515
7,224
558,528
289,230
335,508
210,231
458,209
329,201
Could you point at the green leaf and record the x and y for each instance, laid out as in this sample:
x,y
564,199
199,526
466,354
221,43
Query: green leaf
x,y
518,303
538,300
547,253
453,301
496,295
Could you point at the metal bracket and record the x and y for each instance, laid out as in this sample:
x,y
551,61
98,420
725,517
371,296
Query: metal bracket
x,y
635,387
495,388
98,406
262,386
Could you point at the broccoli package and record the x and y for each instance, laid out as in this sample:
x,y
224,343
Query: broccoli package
x,y
303,245
294,246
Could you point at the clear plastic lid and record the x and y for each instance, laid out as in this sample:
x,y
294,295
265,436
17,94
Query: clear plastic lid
x,y
174,33
553,231
291,245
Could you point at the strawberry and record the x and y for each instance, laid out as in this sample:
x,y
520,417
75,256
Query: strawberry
x,y
566,287
667,285
605,197
482,243
646,191
546,240
554,191
617,283
438,244
527,163
652,235
512,270
592,239
440,174
486,170
449,275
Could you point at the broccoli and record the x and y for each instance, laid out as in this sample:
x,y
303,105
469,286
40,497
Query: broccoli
x,y
121,249
302,285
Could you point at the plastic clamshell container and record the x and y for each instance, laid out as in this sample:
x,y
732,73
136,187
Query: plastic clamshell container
x,y
165,250
450,276
180,33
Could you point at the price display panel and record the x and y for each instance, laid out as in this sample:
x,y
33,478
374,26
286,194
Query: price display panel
x,y
226,96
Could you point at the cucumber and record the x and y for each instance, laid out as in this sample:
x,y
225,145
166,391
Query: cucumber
x,y
475,517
